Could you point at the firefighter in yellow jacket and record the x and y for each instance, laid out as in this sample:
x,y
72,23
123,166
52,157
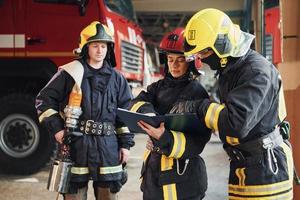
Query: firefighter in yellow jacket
x,y
251,111
173,169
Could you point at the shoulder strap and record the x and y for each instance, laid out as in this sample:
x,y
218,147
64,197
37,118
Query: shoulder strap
x,y
75,70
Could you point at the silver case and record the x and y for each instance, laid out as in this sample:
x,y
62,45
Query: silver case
x,y
59,177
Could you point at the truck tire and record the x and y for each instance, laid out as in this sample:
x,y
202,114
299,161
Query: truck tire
x,y
25,145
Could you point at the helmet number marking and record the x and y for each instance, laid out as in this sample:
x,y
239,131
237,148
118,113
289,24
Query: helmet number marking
x,y
192,34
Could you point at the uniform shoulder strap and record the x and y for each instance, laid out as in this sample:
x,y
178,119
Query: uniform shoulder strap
x,y
75,70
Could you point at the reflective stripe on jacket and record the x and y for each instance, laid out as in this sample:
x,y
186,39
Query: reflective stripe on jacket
x,y
103,90
174,170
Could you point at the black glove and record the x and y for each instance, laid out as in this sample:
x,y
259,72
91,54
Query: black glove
x,y
124,174
284,129
187,106
115,186
71,136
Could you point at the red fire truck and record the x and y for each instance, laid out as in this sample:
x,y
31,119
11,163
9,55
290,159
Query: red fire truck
x,y
37,36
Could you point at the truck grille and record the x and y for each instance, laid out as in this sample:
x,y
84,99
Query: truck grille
x,y
132,57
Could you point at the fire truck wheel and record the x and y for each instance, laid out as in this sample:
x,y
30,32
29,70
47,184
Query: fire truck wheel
x,y
25,146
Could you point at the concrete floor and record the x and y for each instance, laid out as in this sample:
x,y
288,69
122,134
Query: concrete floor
x,y
34,187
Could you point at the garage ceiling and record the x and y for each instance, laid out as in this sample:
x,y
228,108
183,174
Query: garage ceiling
x,y
157,17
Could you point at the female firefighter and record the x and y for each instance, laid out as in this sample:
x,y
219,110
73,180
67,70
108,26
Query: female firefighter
x,y
251,111
104,145
173,168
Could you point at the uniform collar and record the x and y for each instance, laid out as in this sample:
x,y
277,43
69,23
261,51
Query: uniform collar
x,y
173,82
235,63
105,70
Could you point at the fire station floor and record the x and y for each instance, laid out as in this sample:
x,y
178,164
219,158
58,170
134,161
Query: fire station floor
x,y
33,187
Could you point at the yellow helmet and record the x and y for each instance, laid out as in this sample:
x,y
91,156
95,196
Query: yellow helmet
x,y
95,32
212,28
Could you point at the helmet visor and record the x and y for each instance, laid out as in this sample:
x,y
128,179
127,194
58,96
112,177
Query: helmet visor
x,y
201,54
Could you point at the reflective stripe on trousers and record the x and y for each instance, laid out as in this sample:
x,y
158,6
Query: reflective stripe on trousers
x,y
256,182
169,191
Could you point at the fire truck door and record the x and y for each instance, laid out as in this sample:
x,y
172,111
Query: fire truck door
x,y
53,28
8,29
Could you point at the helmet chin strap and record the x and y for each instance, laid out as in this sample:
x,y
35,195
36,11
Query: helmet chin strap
x,y
223,62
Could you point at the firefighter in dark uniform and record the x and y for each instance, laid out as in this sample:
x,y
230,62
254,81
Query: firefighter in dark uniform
x,y
173,169
252,109
99,153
